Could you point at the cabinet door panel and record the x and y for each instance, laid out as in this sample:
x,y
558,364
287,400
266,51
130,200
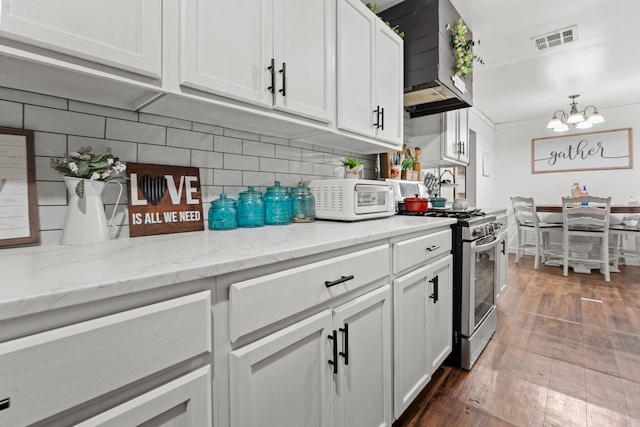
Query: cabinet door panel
x,y
182,402
389,82
355,67
304,42
48,372
227,47
412,367
284,379
440,312
450,135
365,381
121,33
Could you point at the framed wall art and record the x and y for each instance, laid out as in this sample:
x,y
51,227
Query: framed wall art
x,y
609,149
18,198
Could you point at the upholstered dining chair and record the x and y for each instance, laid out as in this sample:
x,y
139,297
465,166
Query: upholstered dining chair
x,y
527,221
586,216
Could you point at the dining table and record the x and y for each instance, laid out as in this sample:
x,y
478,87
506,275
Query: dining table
x,y
615,209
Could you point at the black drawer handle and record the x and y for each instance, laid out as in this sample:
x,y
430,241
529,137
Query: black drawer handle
x,y
343,279
433,248
434,295
5,403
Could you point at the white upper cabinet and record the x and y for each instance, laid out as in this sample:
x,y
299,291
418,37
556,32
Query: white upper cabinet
x,y
124,34
270,53
370,70
443,138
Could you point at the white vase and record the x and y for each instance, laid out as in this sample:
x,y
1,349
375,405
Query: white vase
x,y
86,222
351,173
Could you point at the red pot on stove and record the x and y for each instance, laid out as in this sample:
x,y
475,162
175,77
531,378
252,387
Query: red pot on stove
x,y
416,204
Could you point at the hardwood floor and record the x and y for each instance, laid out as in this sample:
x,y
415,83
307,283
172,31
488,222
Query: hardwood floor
x,y
566,353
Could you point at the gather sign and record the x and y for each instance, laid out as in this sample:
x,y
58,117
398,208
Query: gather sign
x,y
163,199
587,151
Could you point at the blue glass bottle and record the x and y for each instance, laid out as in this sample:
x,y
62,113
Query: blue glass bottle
x,y
303,204
250,209
277,205
223,214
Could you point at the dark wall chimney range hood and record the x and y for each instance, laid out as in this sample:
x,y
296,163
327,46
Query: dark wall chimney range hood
x,y
430,83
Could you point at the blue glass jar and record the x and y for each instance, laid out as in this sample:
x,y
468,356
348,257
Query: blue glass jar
x,y
250,209
303,204
223,214
277,205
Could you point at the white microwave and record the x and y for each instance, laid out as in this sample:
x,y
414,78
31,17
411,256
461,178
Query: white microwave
x,y
352,199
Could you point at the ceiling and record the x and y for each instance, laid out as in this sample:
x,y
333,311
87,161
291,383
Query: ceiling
x,y
518,82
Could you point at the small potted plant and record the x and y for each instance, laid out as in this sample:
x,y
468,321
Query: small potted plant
x,y
407,169
352,167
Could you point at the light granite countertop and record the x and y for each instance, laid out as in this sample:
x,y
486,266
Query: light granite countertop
x,y
40,278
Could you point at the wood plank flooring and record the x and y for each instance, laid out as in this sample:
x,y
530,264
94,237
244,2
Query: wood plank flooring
x,y
566,353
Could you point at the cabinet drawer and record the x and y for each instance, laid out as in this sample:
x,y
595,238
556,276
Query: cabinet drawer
x,y
262,301
46,373
412,252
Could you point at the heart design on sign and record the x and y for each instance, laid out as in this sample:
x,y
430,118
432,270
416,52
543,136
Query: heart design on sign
x,y
154,188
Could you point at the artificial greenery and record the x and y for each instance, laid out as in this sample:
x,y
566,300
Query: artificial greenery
x,y
85,164
408,163
463,49
374,8
351,162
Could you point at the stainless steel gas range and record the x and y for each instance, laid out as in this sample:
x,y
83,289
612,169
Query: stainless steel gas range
x,y
478,240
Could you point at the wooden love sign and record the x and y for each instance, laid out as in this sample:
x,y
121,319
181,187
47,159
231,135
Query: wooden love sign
x,y
163,199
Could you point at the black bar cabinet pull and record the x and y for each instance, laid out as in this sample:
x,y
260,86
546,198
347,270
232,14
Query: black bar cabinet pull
x,y
345,334
503,250
434,295
271,69
343,279
334,362
433,248
377,111
283,71
5,403
382,118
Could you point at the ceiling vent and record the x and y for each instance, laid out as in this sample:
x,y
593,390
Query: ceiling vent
x,y
557,38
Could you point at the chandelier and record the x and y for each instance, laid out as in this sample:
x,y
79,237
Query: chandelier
x,y
579,119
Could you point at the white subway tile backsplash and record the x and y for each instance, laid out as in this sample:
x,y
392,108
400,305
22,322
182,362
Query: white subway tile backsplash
x,y
234,133
125,151
258,179
10,114
100,110
255,148
274,140
228,160
163,155
241,162
274,165
301,168
50,144
125,130
188,139
288,153
33,98
224,144
227,177
167,121
60,121
206,128
206,159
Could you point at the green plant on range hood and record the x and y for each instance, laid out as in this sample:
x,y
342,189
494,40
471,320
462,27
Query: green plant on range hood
x,y
374,8
463,49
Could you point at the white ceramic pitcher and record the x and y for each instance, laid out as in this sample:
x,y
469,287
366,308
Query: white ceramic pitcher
x,y
86,222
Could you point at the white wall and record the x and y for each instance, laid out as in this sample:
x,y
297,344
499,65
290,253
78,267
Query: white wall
x,y
485,186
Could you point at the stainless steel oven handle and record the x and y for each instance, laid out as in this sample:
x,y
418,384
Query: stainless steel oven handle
x,y
475,247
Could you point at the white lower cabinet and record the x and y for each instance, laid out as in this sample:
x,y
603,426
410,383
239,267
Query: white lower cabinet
x,y
423,328
330,369
72,367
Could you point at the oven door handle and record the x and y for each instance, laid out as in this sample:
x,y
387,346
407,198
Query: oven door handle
x,y
475,247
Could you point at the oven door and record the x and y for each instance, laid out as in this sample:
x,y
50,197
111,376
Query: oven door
x,y
479,275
